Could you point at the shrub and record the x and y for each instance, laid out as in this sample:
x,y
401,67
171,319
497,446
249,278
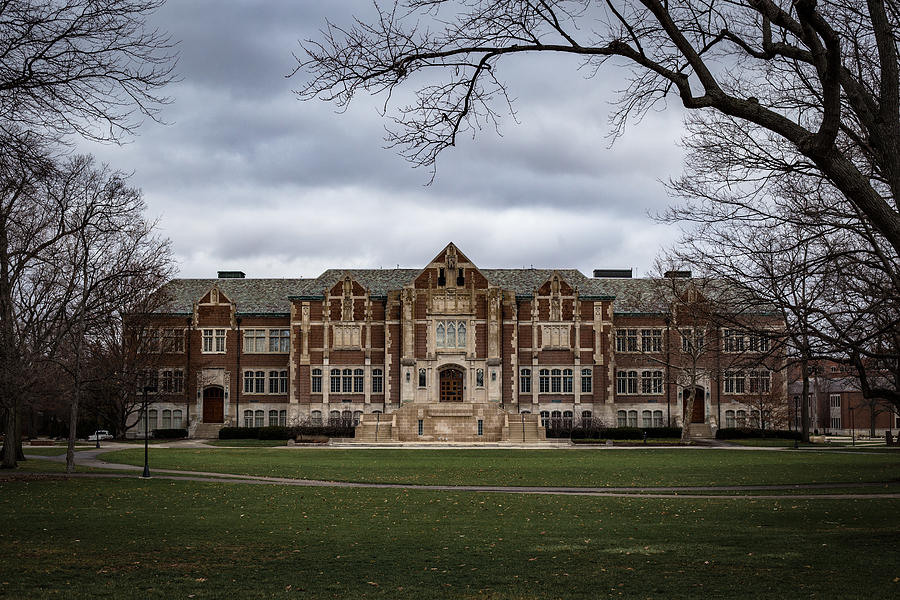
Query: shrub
x,y
239,433
626,433
330,431
736,433
275,433
169,434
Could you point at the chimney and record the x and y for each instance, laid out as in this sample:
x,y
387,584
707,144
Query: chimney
x,y
610,273
231,275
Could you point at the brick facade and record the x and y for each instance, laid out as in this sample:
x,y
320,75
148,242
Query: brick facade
x,y
355,342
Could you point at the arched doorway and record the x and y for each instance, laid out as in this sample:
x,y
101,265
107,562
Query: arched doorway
x,y
451,385
698,415
214,405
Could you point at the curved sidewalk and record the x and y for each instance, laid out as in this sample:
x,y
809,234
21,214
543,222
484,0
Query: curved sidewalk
x,y
88,458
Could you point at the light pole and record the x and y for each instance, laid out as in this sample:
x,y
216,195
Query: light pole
x,y
146,474
852,428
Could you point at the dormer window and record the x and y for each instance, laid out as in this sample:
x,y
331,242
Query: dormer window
x,y
460,278
442,278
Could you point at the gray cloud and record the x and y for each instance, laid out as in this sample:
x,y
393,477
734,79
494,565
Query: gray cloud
x,y
246,176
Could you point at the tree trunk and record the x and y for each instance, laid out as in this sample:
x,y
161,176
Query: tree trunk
x,y
686,416
804,407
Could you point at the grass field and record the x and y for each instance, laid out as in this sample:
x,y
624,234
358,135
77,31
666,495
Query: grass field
x,y
164,539
589,467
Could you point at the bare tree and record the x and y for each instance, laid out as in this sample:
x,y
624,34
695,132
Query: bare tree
x,y
113,259
811,86
76,249
89,67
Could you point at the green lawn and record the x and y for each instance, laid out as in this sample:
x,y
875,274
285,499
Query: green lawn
x,y
246,443
46,450
165,539
582,467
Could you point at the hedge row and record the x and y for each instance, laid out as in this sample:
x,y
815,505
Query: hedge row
x,y
626,433
284,433
733,433
169,434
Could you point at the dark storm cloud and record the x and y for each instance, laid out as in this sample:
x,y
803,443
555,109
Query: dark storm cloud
x,y
246,176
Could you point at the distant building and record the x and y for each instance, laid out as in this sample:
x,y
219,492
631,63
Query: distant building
x,y
447,352
836,404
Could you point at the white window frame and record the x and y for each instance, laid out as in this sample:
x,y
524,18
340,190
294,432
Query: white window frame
x,y
525,380
627,340
214,340
315,376
587,380
651,340
377,381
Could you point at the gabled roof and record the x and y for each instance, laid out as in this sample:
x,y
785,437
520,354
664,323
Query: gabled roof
x,y
250,296
378,281
524,281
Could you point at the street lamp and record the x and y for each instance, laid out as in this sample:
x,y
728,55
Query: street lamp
x,y
852,428
146,475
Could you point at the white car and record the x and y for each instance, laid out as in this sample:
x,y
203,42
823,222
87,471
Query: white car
x,y
100,434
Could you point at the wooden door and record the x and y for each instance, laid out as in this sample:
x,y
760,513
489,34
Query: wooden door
x,y
213,405
699,413
451,386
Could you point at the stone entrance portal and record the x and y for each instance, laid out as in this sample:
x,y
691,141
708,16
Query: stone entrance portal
x,y
451,385
213,405
698,415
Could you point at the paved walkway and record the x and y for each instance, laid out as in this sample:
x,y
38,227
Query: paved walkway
x,y
89,458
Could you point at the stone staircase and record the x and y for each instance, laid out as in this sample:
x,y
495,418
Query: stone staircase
x,y
207,431
701,431
374,428
514,431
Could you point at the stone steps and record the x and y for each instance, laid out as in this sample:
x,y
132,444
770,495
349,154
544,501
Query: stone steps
x,y
700,431
207,431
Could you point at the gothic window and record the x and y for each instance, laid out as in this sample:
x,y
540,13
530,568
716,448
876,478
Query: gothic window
x,y
556,381
760,381
621,418
450,334
357,381
646,419
734,382
377,381
587,382
525,381
651,340
278,381
479,378
316,381
657,418
422,378
544,381
567,381
335,381
347,381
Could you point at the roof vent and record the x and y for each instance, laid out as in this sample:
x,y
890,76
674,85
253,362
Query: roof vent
x,y
677,274
613,273
231,275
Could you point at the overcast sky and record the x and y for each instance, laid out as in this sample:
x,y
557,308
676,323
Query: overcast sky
x,y
244,176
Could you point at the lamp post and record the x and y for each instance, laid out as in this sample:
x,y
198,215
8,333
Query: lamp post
x,y
146,475
852,428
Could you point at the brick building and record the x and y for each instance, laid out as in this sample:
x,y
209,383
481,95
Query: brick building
x,y
836,404
447,352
